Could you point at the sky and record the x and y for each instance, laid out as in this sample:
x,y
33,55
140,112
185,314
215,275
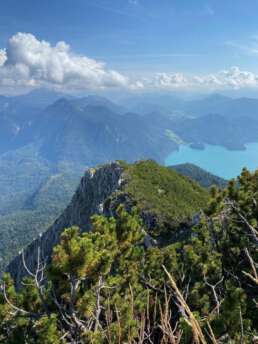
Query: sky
x,y
128,44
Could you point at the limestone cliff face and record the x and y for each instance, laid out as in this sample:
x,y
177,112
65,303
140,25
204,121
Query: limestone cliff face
x,y
95,188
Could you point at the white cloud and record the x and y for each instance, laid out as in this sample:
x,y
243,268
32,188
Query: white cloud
x,y
236,78
232,78
30,62
2,57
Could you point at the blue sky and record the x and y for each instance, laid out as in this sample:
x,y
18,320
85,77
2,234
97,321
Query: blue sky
x,y
138,38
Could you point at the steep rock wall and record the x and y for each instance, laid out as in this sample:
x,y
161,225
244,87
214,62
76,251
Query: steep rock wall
x,y
95,187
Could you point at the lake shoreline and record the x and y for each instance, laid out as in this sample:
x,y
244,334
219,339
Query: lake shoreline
x,y
219,160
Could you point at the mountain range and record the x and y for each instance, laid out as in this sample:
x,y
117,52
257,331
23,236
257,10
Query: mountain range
x,y
45,134
92,129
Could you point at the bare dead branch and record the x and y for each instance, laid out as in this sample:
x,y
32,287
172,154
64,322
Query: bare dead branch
x,y
198,335
253,231
253,266
213,288
18,309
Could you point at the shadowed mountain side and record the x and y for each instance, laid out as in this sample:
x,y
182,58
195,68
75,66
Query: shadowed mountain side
x,y
96,134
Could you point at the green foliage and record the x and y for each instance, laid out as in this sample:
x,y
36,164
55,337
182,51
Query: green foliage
x,y
172,197
204,178
35,211
104,286
111,253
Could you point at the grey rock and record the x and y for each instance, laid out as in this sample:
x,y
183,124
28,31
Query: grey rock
x,y
95,187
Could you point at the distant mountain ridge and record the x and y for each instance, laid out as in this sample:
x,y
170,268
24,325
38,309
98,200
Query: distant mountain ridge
x,y
109,131
213,103
93,100
204,178
87,130
95,134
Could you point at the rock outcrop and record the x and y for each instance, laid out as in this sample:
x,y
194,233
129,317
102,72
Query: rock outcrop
x,y
95,188
105,188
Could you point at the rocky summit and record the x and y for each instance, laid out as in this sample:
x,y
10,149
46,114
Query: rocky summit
x,y
166,201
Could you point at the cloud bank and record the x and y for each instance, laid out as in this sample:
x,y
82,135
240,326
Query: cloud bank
x,y
231,78
28,63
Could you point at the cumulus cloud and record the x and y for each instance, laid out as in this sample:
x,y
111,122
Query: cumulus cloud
x,y
30,62
235,78
231,78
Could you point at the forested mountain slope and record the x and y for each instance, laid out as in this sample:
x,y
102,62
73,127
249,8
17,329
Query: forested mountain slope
x,y
109,280
204,178
33,213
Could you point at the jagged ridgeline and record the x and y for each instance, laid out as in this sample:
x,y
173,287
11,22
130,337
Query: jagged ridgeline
x,y
152,268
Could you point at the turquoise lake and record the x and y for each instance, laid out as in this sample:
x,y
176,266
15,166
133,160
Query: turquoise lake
x,y
216,159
